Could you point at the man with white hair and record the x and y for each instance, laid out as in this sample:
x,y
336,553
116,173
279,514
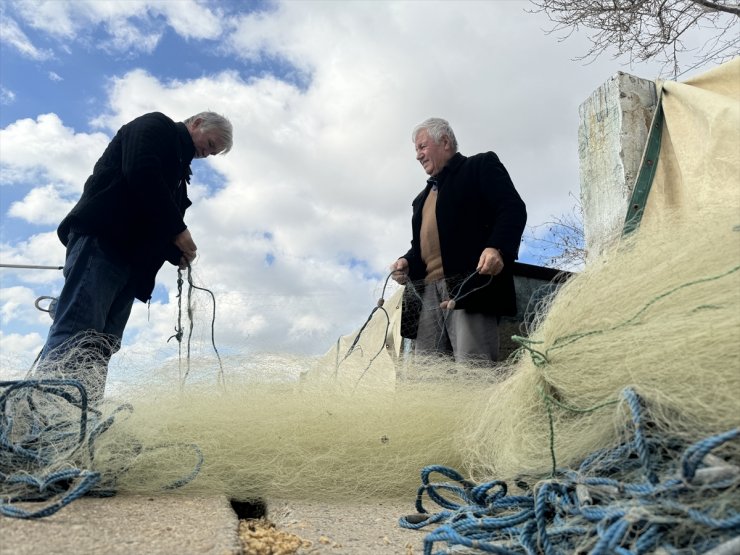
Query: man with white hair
x,y
127,222
466,225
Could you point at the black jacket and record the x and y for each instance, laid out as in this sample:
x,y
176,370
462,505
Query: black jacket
x,y
136,197
477,207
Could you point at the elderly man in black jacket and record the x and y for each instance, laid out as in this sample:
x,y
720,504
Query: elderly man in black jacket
x,y
467,224
128,221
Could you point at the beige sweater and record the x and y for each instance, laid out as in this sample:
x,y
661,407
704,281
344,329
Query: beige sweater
x,y
429,239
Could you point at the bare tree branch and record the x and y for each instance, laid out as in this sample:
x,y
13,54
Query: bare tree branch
x,y
560,243
720,7
651,29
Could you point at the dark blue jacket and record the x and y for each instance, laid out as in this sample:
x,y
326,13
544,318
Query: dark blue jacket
x,y
136,197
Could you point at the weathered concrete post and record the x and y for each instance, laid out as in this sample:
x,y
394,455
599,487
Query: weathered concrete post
x,y
613,130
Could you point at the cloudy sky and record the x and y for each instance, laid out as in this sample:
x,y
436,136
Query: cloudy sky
x,y
297,225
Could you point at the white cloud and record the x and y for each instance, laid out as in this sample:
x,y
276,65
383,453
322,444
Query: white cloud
x,y
42,205
53,76
131,26
17,311
6,96
321,173
50,16
45,148
311,325
191,19
42,249
128,37
17,304
13,36
17,353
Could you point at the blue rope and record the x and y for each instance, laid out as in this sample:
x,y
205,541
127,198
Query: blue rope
x,y
88,480
29,448
655,510
34,439
695,454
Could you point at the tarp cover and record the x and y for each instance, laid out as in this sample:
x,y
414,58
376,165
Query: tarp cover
x,y
699,161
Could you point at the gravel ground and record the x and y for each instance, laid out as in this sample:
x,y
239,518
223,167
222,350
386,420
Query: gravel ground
x,y
348,528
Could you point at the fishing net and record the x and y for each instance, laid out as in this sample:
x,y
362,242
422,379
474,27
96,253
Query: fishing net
x,y
661,314
356,422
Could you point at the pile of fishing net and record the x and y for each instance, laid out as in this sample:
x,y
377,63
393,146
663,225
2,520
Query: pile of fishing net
x,y
618,430
615,426
327,428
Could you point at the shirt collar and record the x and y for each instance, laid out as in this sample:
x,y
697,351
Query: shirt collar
x,y
451,164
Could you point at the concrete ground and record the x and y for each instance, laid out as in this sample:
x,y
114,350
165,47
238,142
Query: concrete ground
x,y
180,525
351,528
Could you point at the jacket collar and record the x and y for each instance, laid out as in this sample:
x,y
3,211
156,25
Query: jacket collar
x,y
187,148
452,165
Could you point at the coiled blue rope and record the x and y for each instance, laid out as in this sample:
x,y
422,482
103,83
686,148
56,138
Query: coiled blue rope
x,y
35,440
590,510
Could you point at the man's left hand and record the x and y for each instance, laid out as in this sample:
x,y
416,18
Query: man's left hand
x,y
490,263
184,242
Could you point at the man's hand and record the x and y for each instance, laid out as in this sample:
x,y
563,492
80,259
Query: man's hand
x,y
400,270
490,263
184,242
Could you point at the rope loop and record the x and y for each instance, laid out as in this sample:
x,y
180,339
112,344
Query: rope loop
x,y
538,357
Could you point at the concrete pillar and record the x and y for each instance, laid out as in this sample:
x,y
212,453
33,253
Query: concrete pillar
x,y
612,133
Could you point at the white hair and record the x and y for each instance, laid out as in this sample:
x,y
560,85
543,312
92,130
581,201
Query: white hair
x,y
223,127
437,128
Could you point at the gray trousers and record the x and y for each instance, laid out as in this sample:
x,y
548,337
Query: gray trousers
x,y
470,337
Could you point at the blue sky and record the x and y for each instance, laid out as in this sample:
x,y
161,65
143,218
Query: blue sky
x,y
297,225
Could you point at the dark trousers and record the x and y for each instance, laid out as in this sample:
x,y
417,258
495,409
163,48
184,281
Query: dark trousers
x,y
91,314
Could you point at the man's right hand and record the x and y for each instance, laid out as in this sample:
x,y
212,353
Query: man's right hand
x,y
184,242
400,270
